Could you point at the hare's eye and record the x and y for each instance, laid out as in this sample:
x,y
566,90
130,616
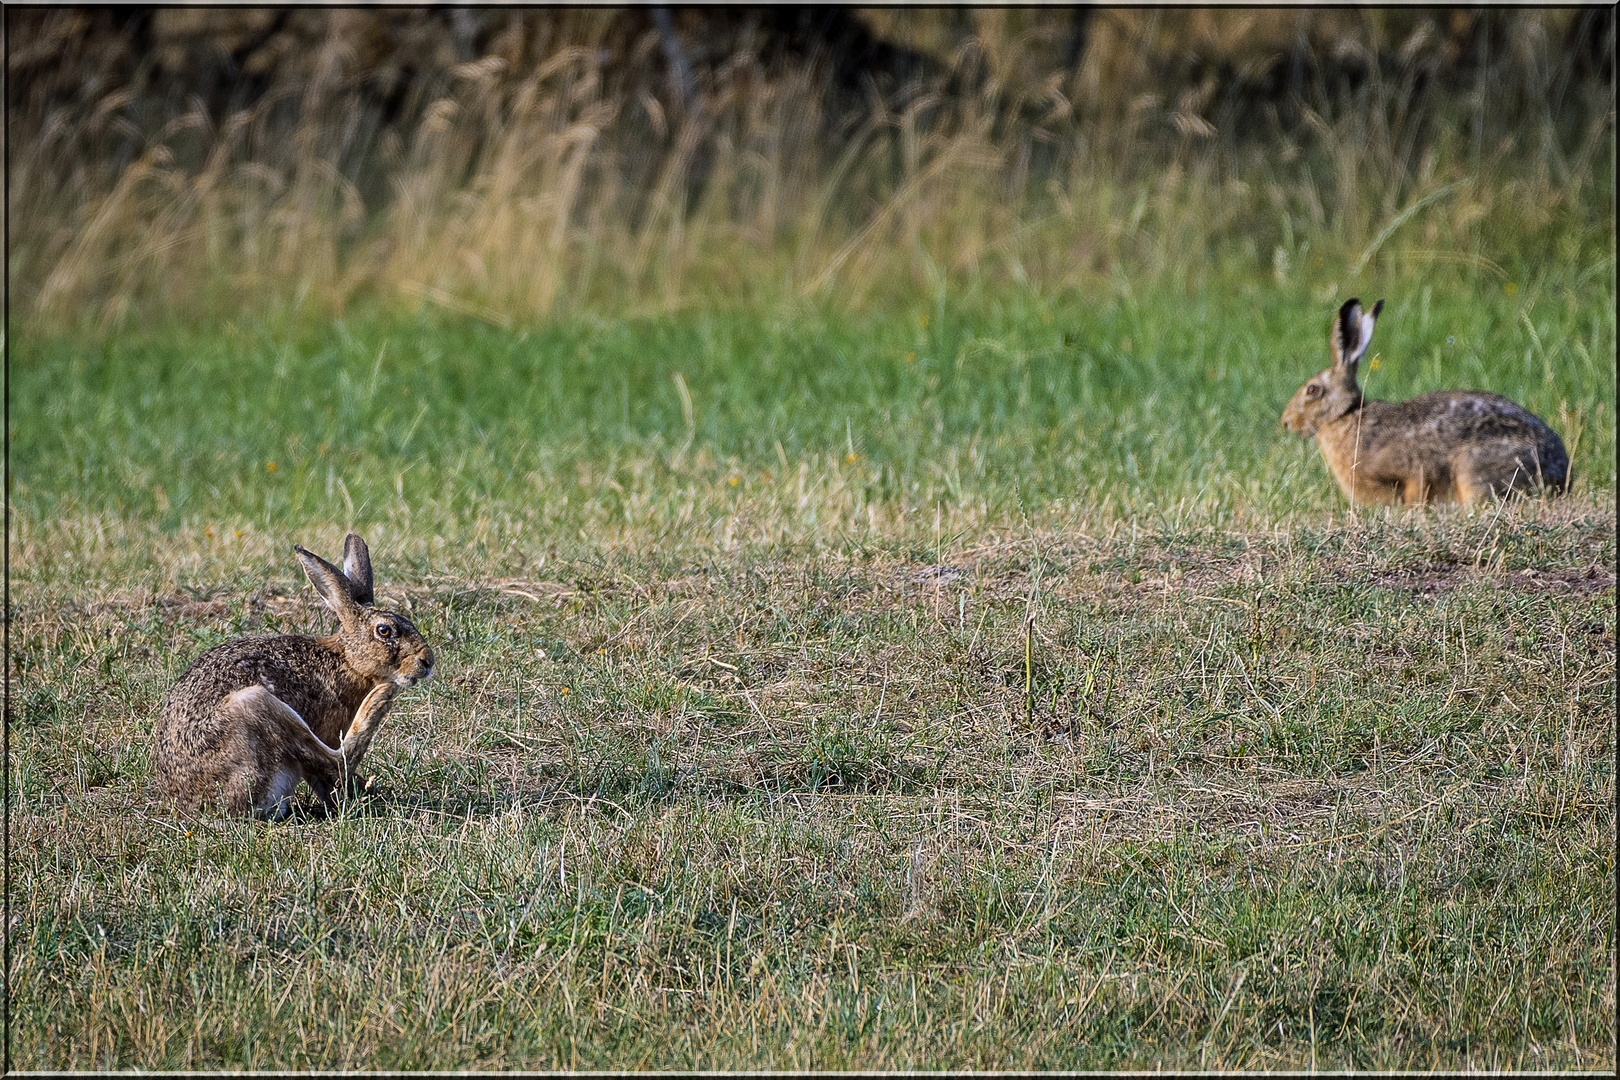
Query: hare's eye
x,y
1311,390
384,631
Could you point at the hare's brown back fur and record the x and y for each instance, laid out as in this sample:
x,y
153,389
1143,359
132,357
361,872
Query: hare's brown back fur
x,y
1451,444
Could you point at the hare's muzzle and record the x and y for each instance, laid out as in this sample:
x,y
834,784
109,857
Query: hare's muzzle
x,y
416,668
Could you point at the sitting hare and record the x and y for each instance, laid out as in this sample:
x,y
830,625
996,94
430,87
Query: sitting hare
x,y
1451,444
251,718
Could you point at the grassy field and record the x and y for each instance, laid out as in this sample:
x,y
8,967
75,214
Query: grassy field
x,y
984,682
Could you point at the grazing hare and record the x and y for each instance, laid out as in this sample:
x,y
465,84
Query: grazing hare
x,y
251,718
1451,444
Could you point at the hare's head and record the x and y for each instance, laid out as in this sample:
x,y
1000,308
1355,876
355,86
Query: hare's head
x,y
376,644
1331,393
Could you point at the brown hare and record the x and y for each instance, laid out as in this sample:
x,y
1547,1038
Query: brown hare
x,y
1451,444
251,718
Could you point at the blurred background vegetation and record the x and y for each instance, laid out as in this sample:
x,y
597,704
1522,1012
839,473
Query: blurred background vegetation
x,y
512,163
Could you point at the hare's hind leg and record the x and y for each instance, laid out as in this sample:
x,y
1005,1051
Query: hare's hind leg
x,y
1497,470
283,751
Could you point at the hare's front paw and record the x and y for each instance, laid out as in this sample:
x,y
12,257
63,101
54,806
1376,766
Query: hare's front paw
x,y
360,787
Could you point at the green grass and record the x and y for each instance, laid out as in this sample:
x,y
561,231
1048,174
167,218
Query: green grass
x,y
986,683
1006,406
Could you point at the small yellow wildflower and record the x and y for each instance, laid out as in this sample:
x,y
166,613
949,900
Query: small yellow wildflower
x,y
851,458
1375,361
734,481
1510,288
269,466
911,358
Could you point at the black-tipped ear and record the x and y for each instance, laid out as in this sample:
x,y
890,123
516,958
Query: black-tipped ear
x,y
357,568
1352,332
332,584
1346,328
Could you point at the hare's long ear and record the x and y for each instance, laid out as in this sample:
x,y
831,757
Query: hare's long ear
x,y
357,568
333,585
1352,333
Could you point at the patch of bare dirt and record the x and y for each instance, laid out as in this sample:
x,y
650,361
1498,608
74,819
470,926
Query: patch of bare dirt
x,y
181,608
1442,578
1590,580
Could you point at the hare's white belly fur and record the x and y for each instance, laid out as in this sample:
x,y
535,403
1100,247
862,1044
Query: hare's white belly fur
x,y
280,792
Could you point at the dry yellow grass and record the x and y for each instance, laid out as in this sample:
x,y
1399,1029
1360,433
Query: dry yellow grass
x,y
553,173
